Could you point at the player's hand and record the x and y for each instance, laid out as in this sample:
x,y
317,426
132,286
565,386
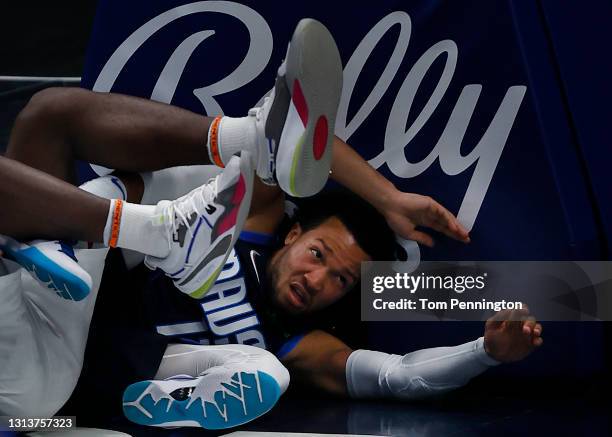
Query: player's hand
x,y
511,335
405,211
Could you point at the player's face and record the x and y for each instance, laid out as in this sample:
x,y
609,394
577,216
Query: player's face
x,y
315,268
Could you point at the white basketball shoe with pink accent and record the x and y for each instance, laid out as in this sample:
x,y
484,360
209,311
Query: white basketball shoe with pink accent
x,y
295,125
203,227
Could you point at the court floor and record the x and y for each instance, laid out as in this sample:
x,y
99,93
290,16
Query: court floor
x,y
470,414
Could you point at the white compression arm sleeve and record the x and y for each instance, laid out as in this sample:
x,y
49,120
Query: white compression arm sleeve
x,y
427,372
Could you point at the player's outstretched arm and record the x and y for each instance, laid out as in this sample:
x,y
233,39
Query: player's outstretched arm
x,y
319,360
323,361
403,211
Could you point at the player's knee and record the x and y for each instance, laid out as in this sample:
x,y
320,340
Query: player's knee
x,y
51,106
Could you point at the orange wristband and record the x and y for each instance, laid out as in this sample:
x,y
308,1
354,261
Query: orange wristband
x,y
116,223
214,142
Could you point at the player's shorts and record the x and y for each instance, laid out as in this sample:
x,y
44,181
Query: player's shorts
x,y
42,339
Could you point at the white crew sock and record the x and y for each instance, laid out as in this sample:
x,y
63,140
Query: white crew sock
x,y
138,228
234,135
108,187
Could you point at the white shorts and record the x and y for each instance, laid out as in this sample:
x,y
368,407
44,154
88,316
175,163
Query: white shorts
x,y
42,339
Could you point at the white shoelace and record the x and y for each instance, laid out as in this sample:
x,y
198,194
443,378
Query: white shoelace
x,y
194,202
259,111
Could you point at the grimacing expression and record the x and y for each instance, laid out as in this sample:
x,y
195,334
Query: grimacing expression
x,y
315,268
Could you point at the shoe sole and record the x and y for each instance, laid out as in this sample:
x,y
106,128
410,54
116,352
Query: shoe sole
x,y
314,78
247,172
259,392
51,275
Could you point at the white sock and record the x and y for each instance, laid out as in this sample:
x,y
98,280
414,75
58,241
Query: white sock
x,y
131,226
109,187
231,136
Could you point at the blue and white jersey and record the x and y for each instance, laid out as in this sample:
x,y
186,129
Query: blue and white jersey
x,y
138,313
236,309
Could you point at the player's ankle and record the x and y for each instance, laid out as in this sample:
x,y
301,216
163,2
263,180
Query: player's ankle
x,y
132,226
229,136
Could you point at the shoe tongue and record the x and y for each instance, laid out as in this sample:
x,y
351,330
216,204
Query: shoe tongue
x,y
201,197
229,174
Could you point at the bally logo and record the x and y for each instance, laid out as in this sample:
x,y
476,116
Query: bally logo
x,y
483,158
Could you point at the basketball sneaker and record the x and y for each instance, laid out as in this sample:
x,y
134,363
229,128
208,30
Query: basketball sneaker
x,y
52,263
203,227
295,125
223,397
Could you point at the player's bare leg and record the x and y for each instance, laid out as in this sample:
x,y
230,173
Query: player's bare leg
x,y
287,140
60,125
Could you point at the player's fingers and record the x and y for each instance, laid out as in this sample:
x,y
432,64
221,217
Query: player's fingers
x,y
529,325
519,316
452,232
442,220
537,330
421,237
537,341
516,322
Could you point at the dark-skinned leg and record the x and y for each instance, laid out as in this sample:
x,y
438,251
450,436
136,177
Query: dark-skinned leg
x,y
38,205
59,210
60,125
132,134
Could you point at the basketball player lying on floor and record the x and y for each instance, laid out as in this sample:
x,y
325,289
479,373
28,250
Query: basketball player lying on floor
x,y
281,147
